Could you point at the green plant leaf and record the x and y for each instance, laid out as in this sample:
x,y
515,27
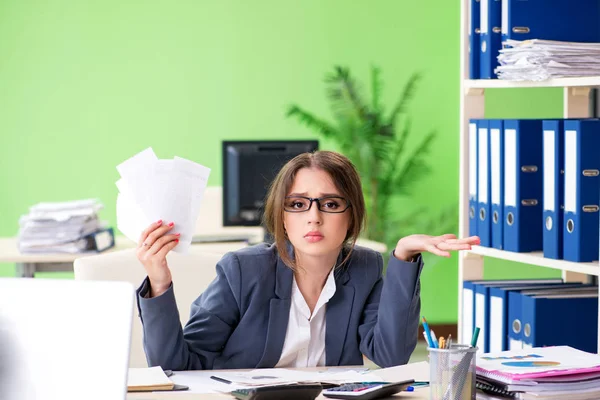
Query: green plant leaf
x,y
405,98
312,121
376,90
416,166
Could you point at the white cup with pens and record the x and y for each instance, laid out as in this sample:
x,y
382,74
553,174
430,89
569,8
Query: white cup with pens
x,y
452,367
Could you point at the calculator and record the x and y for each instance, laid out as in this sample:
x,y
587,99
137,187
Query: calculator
x,y
367,390
297,391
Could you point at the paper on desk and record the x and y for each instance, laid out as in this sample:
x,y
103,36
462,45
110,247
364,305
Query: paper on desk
x,y
151,189
147,377
277,376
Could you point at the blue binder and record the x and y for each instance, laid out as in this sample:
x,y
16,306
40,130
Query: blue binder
x,y
523,180
551,20
491,37
541,327
499,308
497,181
473,213
483,304
484,205
474,33
553,188
515,312
581,190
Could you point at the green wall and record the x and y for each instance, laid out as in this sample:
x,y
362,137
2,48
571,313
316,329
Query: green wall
x,y
84,85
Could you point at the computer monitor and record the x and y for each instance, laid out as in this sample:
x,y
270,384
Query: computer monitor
x,y
249,167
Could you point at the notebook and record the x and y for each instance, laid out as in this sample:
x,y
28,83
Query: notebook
x,y
514,366
148,379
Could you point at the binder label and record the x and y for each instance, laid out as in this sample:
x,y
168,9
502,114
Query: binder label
x,y
549,170
483,165
510,167
472,160
571,171
495,160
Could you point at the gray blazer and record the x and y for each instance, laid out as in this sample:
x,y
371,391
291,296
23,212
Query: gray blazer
x,y
240,320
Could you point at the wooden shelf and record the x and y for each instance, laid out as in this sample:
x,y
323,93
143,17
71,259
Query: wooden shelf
x,y
587,81
537,258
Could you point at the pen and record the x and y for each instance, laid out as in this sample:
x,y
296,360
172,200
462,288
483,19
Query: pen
x,y
216,378
435,339
426,340
475,336
428,333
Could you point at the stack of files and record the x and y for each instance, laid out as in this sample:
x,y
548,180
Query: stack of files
x,y
152,190
64,227
538,60
541,373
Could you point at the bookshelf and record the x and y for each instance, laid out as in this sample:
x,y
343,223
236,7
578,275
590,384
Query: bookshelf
x,y
576,104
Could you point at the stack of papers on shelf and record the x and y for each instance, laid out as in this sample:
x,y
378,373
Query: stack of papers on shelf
x,y
148,379
63,227
538,60
542,373
151,190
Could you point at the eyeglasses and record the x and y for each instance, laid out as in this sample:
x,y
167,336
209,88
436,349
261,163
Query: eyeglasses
x,y
328,204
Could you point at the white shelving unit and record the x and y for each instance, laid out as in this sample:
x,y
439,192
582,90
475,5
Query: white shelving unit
x,y
576,104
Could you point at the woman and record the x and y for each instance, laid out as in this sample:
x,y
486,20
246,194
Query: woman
x,y
311,299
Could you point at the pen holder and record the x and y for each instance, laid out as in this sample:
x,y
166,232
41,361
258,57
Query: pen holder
x,y
452,373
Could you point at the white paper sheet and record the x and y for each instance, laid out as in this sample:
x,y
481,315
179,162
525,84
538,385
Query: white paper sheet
x,y
152,189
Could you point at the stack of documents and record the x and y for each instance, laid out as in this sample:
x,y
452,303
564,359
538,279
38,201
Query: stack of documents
x,y
63,227
541,373
151,190
538,60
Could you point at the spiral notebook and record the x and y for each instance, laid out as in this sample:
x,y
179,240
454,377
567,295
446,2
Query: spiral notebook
x,y
490,388
536,363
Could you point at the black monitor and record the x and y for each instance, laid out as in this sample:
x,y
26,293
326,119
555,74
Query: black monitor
x,y
249,167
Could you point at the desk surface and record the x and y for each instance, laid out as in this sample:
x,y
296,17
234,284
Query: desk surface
x,y
9,252
417,371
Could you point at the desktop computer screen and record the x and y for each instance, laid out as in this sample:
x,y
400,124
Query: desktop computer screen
x,y
249,167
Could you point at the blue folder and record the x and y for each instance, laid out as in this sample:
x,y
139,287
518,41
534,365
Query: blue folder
x,y
542,327
553,188
473,213
523,181
483,304
581,190
484,205
474,33
516,323
497,181
551,20
499,307
491,37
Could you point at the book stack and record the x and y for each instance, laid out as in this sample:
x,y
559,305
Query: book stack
x,y
546,373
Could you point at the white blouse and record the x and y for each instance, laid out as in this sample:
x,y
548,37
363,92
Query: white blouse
x,y
304,344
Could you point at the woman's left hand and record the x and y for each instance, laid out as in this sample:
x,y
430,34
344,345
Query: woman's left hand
x,y
410,246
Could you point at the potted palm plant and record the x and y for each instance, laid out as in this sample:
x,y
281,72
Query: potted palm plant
x,y
376,142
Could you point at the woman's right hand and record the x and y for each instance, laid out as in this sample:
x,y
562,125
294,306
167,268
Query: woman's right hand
x,y
152,252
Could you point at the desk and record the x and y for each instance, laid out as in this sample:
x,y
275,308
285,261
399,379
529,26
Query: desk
x,y
28,264
417,371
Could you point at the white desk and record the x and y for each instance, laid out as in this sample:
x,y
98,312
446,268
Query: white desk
x,y
418,371
28,264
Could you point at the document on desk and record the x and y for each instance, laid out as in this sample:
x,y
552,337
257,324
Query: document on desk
x,y
205,382
151,189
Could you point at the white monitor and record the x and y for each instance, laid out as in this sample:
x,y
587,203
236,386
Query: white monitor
x,y
64,339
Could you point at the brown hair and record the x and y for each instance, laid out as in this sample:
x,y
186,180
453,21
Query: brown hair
x,y
344,176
